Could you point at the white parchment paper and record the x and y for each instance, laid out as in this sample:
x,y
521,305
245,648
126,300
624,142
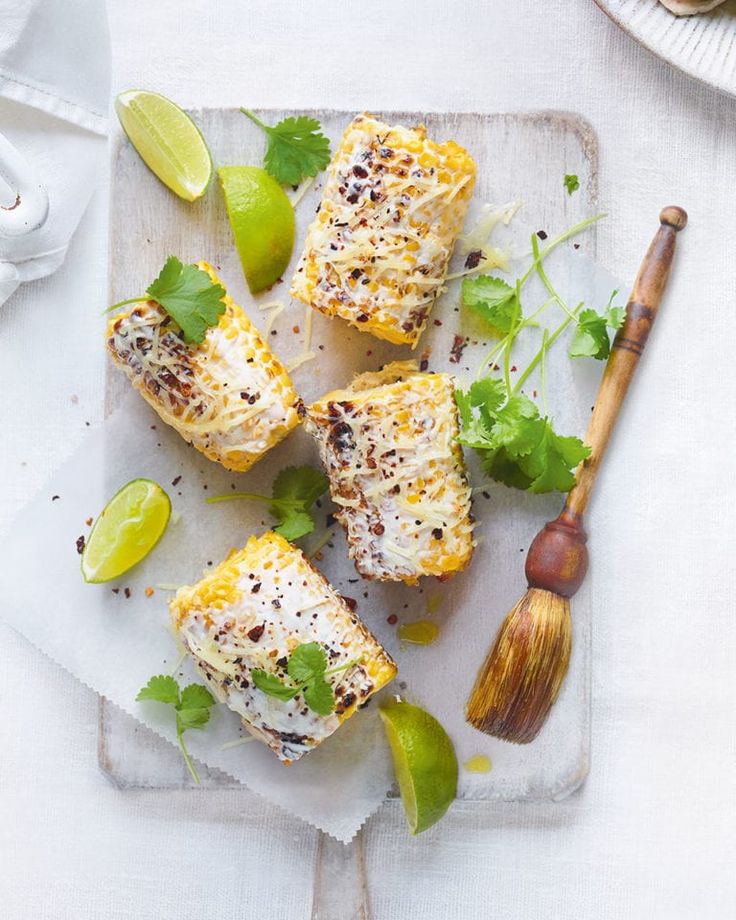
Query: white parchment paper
x,y
114,637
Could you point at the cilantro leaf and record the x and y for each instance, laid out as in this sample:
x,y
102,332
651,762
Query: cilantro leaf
x,y
517,426
192,718
273,685
615,316
320,697
162,689
307,667
503,468
571,183
192,706
307,662
294,491
295,524
296,148
304,484
591,337
552,463
487,393
493,300
189,296
196,696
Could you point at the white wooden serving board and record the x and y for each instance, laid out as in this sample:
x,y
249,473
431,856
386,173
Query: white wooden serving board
x,y
519,156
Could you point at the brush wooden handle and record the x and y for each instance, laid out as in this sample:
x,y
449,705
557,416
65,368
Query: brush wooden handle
x,y
558,559
641,311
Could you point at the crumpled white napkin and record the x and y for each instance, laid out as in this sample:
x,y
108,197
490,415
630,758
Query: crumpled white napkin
x,y
54,87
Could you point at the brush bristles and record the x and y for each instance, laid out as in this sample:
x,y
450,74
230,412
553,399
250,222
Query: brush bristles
x,y
523,673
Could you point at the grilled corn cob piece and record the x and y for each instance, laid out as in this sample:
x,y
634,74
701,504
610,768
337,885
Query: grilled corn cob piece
x,y
229,397
252,611
393,206
396,471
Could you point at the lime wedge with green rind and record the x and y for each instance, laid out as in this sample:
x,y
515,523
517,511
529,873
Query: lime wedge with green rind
x,y
168,141
262,221
130,525
424,762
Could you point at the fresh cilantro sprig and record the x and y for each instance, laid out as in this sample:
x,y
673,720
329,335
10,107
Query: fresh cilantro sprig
x,y
307,667
188,295
192,706
492,299
571,183
591,338
294,491
518,444
296,148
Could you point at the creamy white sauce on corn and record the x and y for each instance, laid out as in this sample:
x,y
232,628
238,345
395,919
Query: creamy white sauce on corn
x,y
396,472
252,611
230,397
392,208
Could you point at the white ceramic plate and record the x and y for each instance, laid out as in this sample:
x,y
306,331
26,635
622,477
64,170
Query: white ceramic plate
x,y
703,46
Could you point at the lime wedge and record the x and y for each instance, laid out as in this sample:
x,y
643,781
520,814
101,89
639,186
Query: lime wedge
x,y
126,531
168,141
262,221
424,762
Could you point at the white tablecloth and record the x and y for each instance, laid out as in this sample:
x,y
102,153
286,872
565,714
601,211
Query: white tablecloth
x,y
651,833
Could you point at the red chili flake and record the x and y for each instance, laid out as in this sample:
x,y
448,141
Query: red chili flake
x,y
148,592
438,322
116,590
80,544
513,368
350,602
473,259
424,359
176,481
458,347
295,330
126,592
392,619
255,634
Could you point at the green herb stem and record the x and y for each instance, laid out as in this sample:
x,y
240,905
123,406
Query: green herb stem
x,y
124,303
254,118
543,372
187,758
343,667
233,496
545,346
558,241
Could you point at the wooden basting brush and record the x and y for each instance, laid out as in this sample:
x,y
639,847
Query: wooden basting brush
x,y
522,675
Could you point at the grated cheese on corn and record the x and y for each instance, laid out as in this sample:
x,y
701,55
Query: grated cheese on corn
x,y
393,206
252,611
396,471
229,397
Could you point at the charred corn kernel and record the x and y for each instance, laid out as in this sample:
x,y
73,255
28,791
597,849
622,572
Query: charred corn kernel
x,y
229,397
252,611
389,191
396,471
